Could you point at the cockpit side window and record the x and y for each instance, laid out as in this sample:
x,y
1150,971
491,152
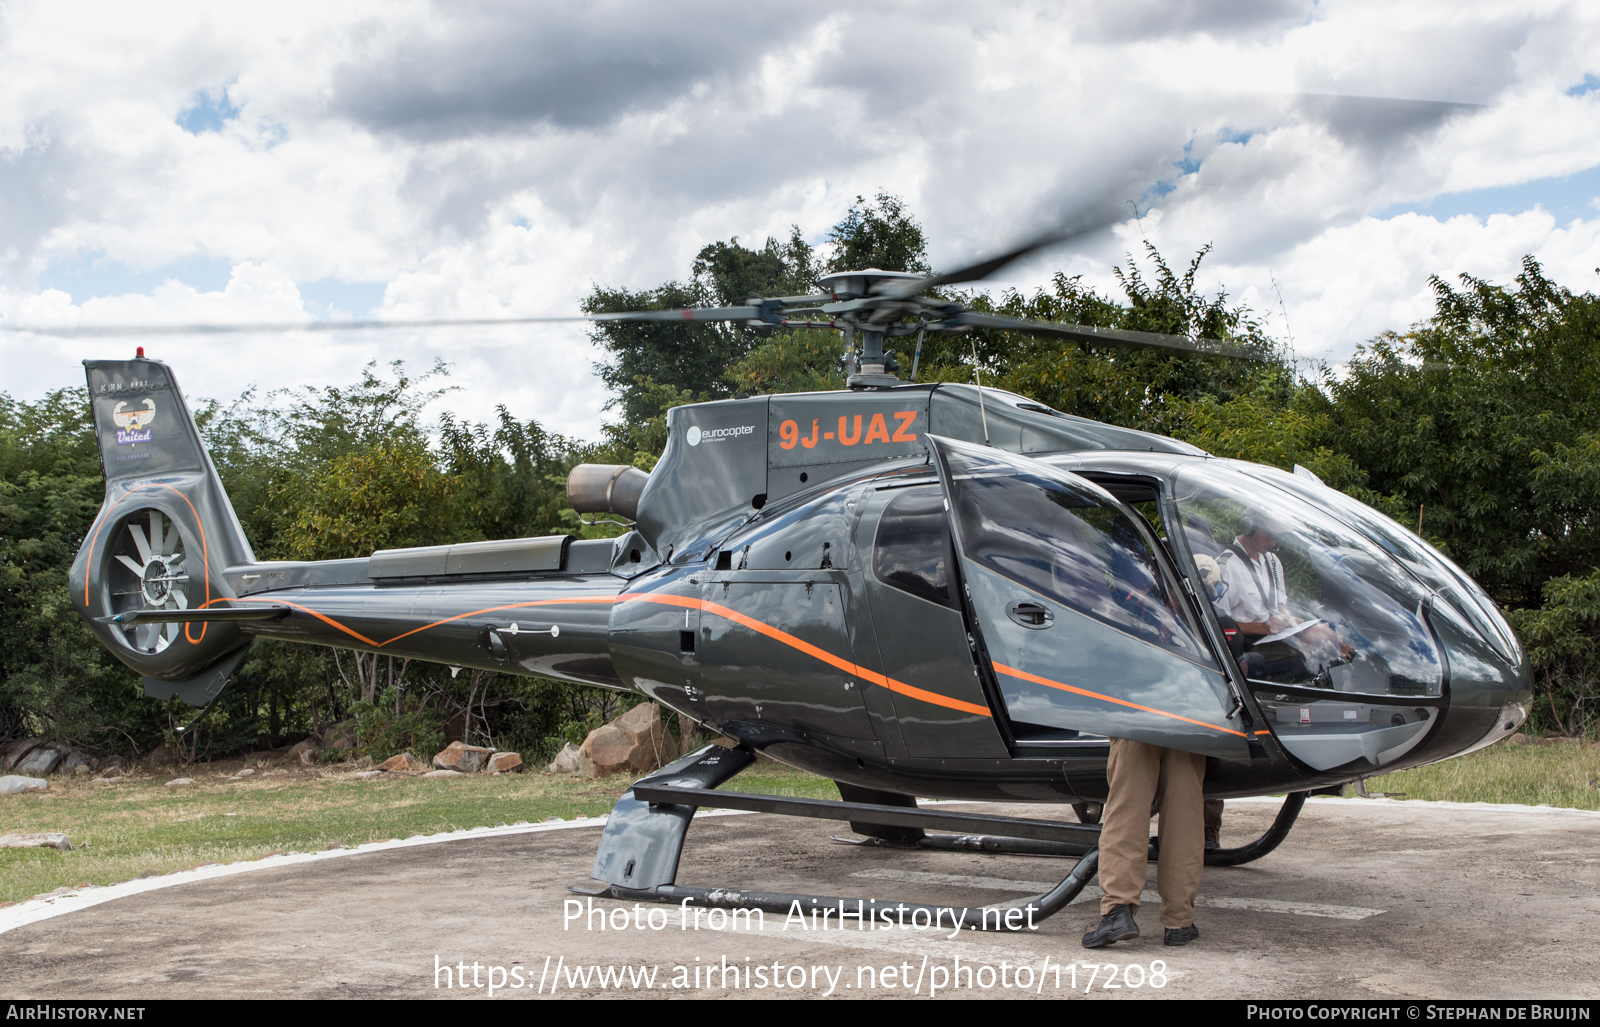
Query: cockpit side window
x,y
912,550
1074,544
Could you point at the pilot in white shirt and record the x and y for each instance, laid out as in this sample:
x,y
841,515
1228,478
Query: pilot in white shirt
x,y
1255,595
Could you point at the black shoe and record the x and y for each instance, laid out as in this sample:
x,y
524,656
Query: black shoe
x,y
1115,926
1181,935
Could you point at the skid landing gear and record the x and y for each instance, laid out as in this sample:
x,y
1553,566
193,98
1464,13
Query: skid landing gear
x,y
1014,846
643,840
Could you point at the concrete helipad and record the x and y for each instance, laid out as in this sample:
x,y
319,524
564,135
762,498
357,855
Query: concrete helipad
x,y
1366,899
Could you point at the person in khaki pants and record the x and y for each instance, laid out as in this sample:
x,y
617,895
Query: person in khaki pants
x,y
1140,776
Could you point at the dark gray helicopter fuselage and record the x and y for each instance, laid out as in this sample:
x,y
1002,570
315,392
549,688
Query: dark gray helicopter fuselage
x,y
785,585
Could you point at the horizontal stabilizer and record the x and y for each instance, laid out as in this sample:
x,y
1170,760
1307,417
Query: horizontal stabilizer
x,y
227,615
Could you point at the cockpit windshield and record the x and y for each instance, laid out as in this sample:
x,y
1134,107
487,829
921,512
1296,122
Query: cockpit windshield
x,y
1429,565
1306,597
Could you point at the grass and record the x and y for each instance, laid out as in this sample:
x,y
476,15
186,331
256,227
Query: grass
x,y
140,827
1562,774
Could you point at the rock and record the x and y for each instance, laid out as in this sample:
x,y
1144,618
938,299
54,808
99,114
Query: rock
x,y
82,770
609,751
505,763
47,839
469,759
733,743
246,772
567,761
180,782
444,773
305,752
15,784
15,749
634,743
405,761
643,725
368,773
74,762
339,737
41,759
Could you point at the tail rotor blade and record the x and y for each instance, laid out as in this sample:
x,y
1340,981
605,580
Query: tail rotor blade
x,y
141,544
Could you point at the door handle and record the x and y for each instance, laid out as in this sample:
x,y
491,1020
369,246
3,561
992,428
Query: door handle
x,y
1030,614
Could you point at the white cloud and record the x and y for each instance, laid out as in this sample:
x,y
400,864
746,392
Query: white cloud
x,y
503,159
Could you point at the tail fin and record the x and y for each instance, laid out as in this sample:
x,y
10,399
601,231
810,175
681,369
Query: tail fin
x,y
163,537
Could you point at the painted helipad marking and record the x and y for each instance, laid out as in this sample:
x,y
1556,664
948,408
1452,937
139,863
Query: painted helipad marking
x,y
1040,887
35,910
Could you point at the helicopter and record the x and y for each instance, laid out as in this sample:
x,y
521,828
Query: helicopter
x,y
914,589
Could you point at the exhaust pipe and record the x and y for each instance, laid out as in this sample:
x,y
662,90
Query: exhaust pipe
x,y
606,488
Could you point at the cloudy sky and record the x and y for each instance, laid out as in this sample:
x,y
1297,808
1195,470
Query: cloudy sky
x,y
308,161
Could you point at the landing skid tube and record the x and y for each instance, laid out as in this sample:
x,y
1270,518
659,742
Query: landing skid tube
x,y
1010,916
1232,857
643,840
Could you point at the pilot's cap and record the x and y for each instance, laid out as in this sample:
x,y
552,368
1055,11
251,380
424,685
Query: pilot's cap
x,y
1210,573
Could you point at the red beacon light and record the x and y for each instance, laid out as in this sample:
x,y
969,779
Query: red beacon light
x,y
139,352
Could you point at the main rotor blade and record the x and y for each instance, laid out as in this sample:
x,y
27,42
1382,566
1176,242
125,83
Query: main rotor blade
x,y
107,331
684,314
1117,336
1101,215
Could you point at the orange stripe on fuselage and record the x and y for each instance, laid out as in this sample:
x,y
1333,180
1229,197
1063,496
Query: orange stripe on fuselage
x,y
684,602
404,634
1036,679
810,650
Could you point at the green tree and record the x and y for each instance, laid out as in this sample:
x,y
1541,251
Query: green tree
x,y
798,360
1562,638
1480,423
55,677
881,234
1135,388
651,361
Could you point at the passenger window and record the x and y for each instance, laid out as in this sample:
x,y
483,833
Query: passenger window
x,y
912,551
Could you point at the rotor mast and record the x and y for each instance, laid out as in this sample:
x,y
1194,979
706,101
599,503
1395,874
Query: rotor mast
x,y
859,305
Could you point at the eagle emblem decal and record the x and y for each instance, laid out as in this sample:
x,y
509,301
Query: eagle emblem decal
x,y
133,426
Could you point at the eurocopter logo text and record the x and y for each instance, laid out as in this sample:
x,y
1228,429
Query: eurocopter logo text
x,y
694,436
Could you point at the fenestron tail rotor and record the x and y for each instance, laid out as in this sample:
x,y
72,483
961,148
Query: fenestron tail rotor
x,y
148,572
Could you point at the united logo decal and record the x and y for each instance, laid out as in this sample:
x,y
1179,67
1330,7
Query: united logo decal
x,y
133,426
